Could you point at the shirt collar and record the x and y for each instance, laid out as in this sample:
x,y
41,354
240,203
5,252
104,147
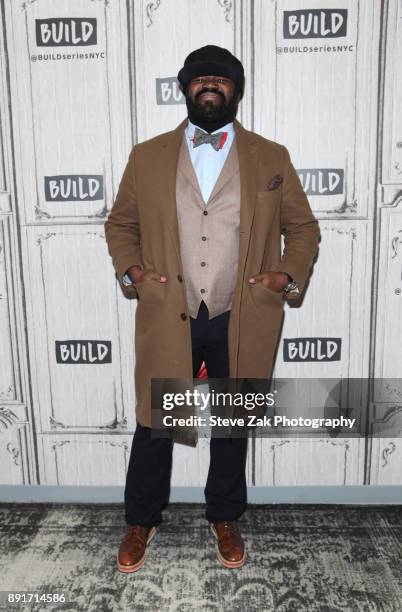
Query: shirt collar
x,y
229,127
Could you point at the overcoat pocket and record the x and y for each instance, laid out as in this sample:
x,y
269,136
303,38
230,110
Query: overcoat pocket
x,y
264,296
151,291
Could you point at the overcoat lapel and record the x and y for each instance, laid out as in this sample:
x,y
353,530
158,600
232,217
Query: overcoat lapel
x,y
247,151
167,169
186,167
230,167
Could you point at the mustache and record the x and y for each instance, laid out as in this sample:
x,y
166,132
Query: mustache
x,y
207,90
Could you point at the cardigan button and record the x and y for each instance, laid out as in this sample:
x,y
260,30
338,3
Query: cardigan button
x,y
179,278
183,316
205,212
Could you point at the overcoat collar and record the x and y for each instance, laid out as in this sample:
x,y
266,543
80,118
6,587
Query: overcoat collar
x,y
247,151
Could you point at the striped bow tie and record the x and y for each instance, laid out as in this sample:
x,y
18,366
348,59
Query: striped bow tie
x,y
217,140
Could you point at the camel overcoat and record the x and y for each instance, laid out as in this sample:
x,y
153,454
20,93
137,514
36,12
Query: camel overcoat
x,y
142,228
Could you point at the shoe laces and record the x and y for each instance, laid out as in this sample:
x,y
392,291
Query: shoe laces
x,y
230,528
136,531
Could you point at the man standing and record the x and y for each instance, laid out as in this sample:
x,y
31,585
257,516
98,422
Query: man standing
x,y
195,235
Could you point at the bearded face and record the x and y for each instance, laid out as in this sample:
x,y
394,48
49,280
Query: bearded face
x,y
211,99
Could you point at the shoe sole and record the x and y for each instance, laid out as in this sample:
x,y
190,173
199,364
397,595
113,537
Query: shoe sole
x,y
229,564
128,569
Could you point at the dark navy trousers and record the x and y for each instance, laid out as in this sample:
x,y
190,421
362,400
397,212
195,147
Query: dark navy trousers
x,y
147,487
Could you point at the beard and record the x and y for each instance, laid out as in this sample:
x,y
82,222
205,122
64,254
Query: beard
x,y
209,115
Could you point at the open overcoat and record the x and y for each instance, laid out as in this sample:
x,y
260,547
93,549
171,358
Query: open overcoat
x,y
142,228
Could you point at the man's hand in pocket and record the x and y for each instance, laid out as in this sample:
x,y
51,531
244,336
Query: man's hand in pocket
x,y
138,275
276,281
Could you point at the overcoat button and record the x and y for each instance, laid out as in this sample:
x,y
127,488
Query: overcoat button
x,y
179,278
205,212
183,316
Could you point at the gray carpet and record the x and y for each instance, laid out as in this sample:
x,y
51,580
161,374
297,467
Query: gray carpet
x,y
300,558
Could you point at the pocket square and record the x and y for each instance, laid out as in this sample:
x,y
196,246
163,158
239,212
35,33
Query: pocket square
x,y
275,182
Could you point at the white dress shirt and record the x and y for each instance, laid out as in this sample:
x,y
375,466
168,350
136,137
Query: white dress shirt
x,y
207,163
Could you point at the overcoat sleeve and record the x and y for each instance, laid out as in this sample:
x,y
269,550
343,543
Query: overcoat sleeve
x,y
299,227
122,227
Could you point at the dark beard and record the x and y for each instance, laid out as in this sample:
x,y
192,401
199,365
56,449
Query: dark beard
x,y
210,116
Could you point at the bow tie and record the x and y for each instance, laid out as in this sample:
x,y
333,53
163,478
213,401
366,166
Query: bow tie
x,y
217,140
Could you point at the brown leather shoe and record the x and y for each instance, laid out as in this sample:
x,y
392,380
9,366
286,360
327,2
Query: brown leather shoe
x,y
132,551
231,550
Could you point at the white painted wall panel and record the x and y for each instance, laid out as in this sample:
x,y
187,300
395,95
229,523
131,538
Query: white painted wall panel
x,y
386,399
386,456
72,116
318,96
310,462
388,354
97,460
9,381
74,300
16,458
392,110
336,305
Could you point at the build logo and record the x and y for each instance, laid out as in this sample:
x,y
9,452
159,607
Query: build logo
x,y
321,181
83,351
315,23
312,349
66,32
74,188
168,92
